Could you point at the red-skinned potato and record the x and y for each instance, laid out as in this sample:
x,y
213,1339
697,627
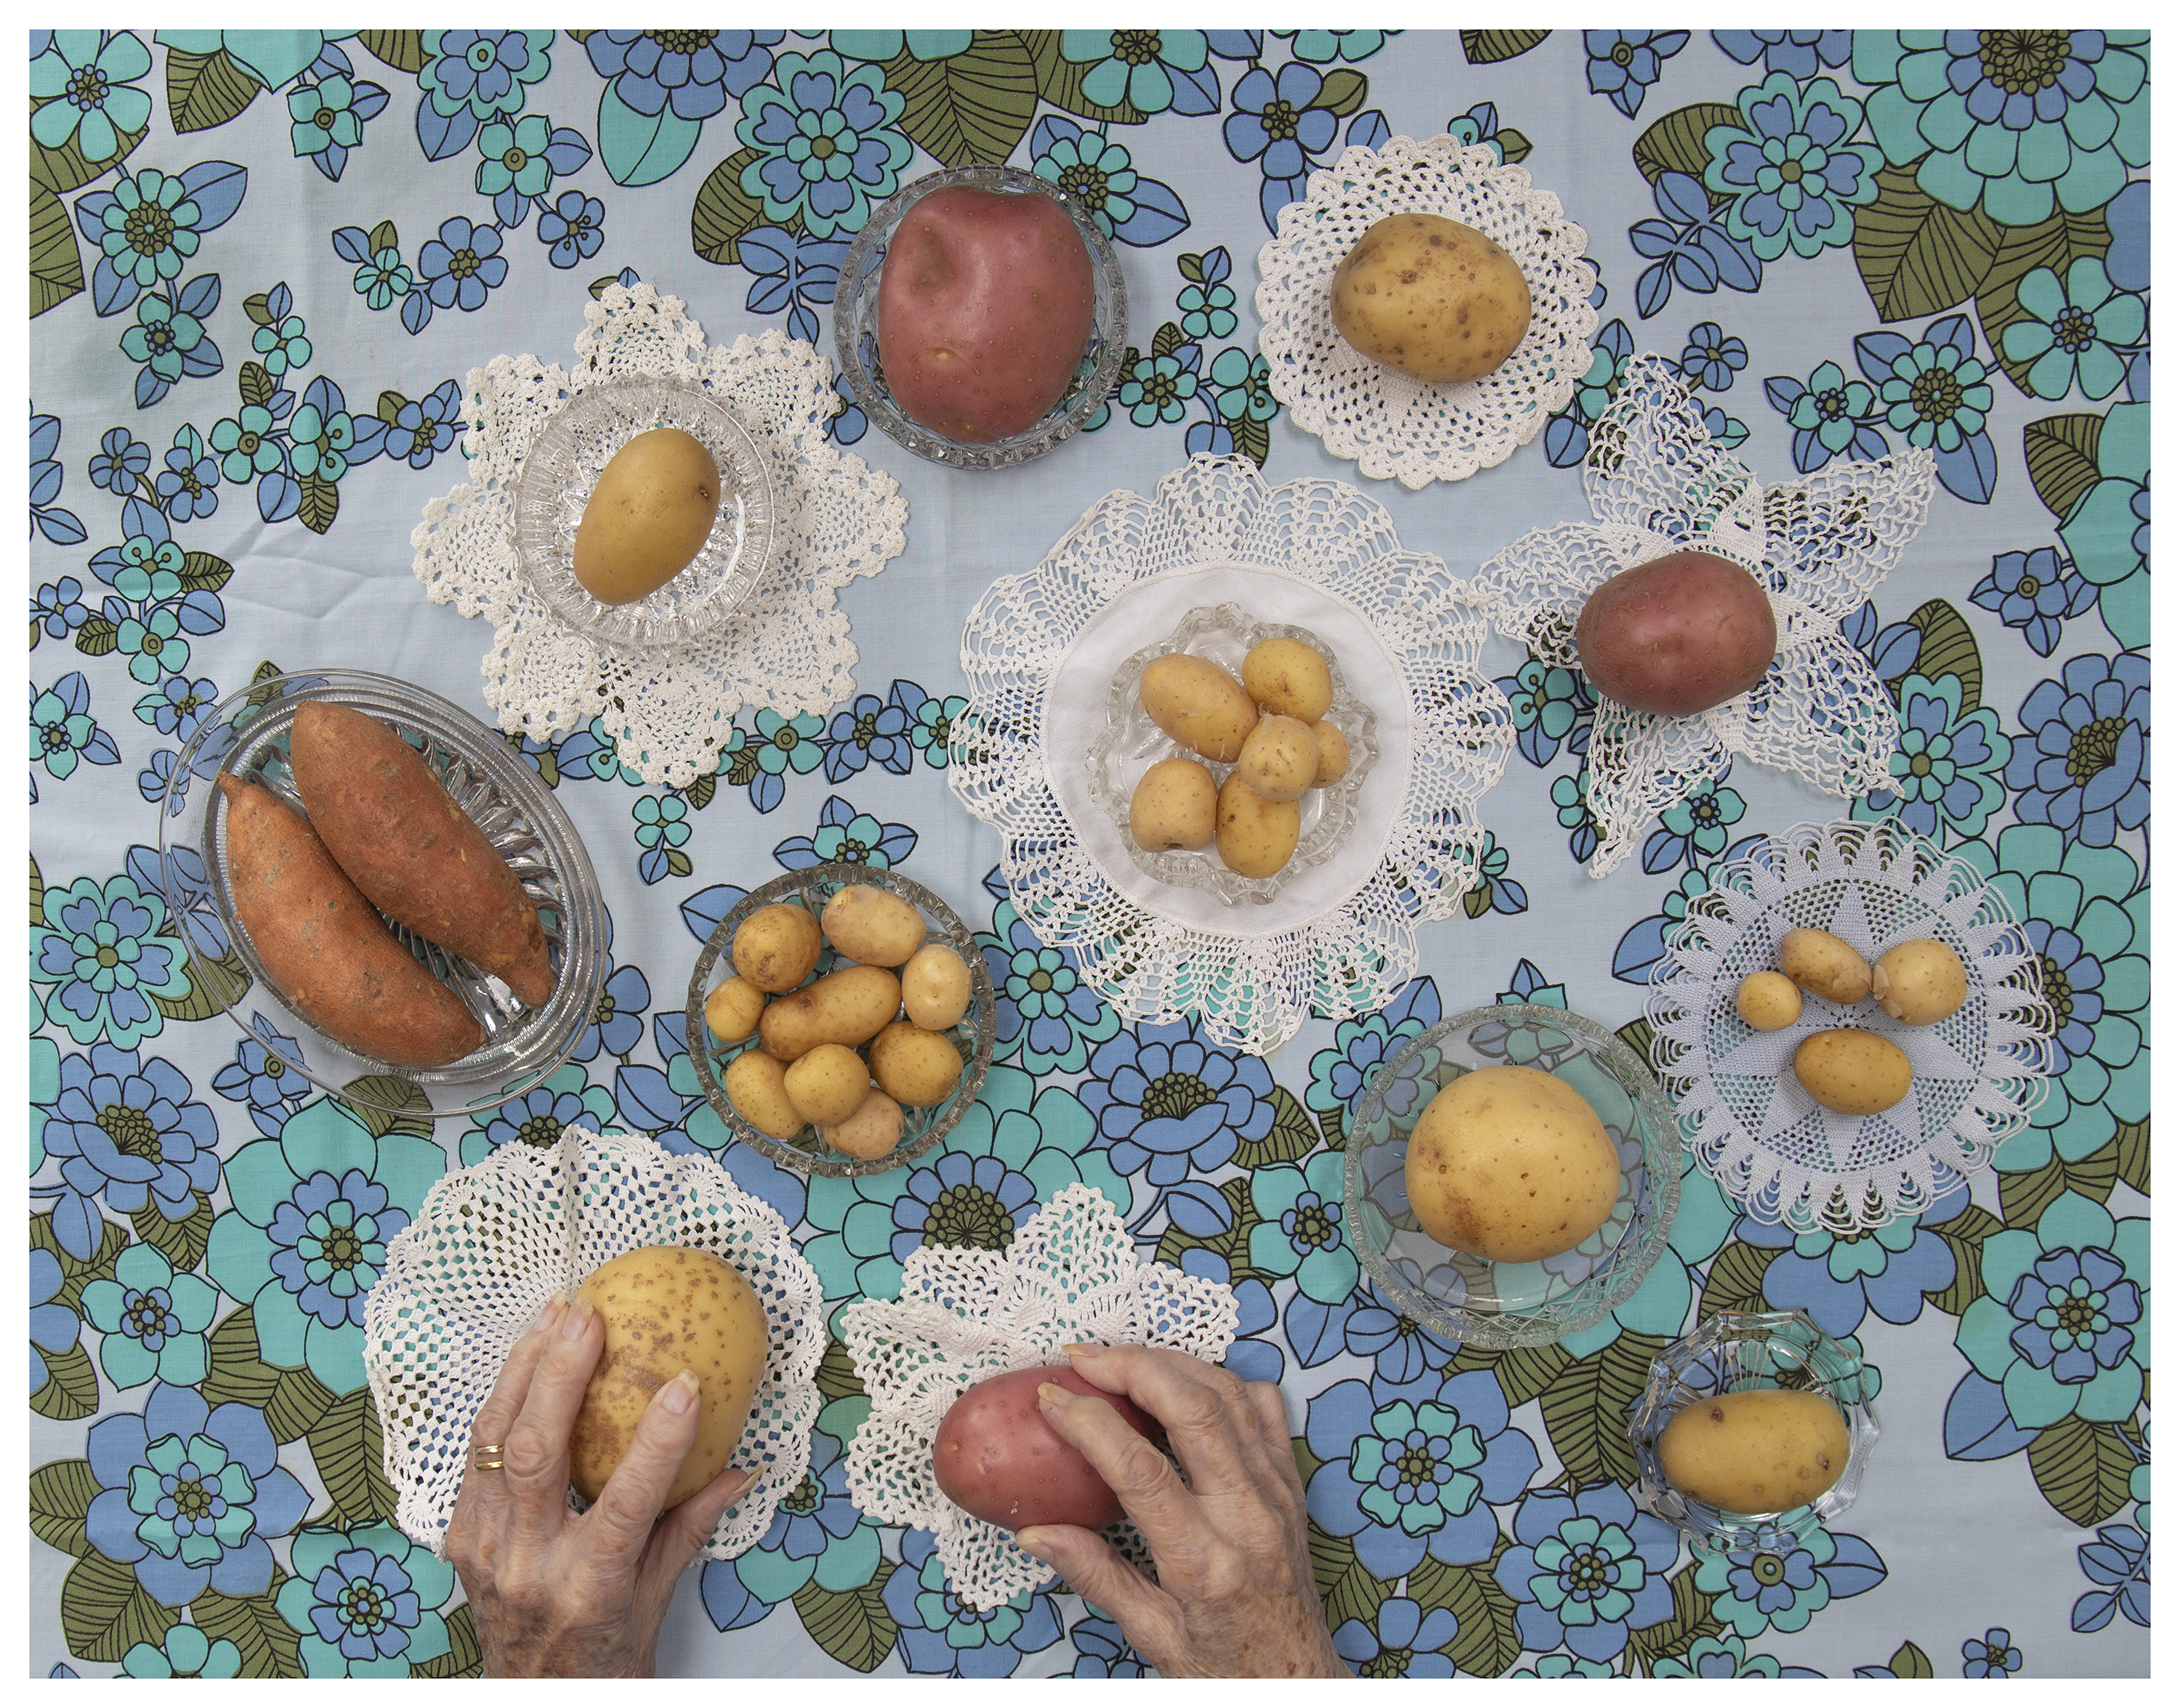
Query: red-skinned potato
x,y
984,307
997,1457
1677,636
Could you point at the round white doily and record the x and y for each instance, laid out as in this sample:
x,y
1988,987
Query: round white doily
x,y
785,646
1818,545
1394,426
1979,1075
1040,651
966,1314
496,1240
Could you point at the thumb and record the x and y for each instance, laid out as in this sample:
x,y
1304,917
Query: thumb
x,y
1098,1573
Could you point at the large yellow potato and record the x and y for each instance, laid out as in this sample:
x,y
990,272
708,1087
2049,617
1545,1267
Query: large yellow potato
x,y
913,1066
776,948
1511,1164
1765,1450
647,517
1175,804
935,987
1198,704
1921,982
1851,1072
1431,297
826,1084
848,1006
872,926
1256,836
1279,761
1824,965
755,1083
1288,677
667,1309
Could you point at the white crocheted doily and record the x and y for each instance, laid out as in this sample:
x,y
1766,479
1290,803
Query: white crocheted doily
x,y
785,646
496,1240
1818,545
1394,426
1978,1075
1041,650
966,1314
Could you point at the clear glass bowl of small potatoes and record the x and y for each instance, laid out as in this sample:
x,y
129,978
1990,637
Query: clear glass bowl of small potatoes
x,y
1497,1304
1129,744
1823,1414
805,1148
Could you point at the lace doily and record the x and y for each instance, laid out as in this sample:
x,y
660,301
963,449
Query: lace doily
x,y
966,1314
1390,425
496,1240
786,646
1040,650
1819,546
1979,1075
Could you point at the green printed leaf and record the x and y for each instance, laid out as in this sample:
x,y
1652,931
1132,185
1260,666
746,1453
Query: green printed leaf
x,y
1949,649
641,148
971,108
293,1400
202,573
1293,1136
1965,1234
742,769
1060,81
37,893
679,863
463,1658
2025,1195
402,49
1918,256
1523,1372
1515,147
1496,47
215,986
1345,91
1736,1279
836,1372
1233,1244
724,212
2057,243
1690,1622
1252,438
2061,454
1489,1641
1676,143
1168,338
61,1493
701,791
384,235
1305,1462
1191,268
105,1612
181,1243
98,636
389,1087
1478,902
70,1389
259,308
850,1625
78,1273
271,1648
56,264
1586,1407
1638,1035
321,502
2081,1469
2131,1144
350,1453
1908,1661
1349,1589
204,89
260,694
255,384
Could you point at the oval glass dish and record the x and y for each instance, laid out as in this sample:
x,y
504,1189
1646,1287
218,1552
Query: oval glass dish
x,y
1128,743
973,1035
855,326
560,470
1472,1300
246,735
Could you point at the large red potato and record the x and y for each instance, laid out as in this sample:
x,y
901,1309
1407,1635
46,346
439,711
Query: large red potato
x,y
997,1458
1677,636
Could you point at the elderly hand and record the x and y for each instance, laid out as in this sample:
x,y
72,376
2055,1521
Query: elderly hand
x,y
1235,1595
555,1594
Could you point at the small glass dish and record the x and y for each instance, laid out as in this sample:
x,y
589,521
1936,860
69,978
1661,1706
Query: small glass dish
x,y
1129,744
560,470
855,326
1732,1352
246,735
1472,1300
973,1034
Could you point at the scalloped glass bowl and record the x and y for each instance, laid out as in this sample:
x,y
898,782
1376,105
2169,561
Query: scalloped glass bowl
x,y
1128,743
1731,1352
1472,1300
562,468
855,321
246,734
973,1034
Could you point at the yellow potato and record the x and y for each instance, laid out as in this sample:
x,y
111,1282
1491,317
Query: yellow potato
x,y
1198,704
1288,677
1824,965
1511,1164
916,1067
1921,982
667,1309
1852,1073
756,1086
1432,298
1767,1001
826,1084
845,1006
1763,1450
1279,761
732,1010
872,926
1174,805
872,1130
1332,755
1256,836
776,948
935,987
647,517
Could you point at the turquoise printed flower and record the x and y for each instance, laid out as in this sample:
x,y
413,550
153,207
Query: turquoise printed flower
x,y
153,644
1794,178
1700,820
275,57
565,1098
383,280
366,1602
184,1652
940,1632
816,1533
1044,1009
882,45
933,728
1725,1657
247,444
1785,1581
661,821
825,142
1937,392
1207,311
514,156
62,731
1340,1077
149,227
101,945
1097,171
485,70
2108,530
153,1320
84,80
1949,768
1244,384
785,744
1565,1666
1137,68
281,346
162,336
1404,1643
2075,331
1301,1233
321,434
323,117
1323,47
1159,387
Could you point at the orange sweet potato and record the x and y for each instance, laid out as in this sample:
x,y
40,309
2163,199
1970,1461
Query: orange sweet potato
x,y
326,948
398,833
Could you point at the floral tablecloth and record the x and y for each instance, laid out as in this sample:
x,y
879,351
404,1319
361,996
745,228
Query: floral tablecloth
x,y
261,265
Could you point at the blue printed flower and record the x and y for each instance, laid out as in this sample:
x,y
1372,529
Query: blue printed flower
x,y
1043,1008
1551,704
825,142
1300,1234
693,71
1938,392
259,1076
184,1652
461,266
1340,1078
816,1533
1586,1569
1149,70
1096,171
424,426
1991,1655
1157,388
1244,384
1409,1357
1838,1277
327,119
383,280
1798,52
1711,358
792,271
933,730
1564,1666
1166,1100
1794,178
1402,1641
616,1022
249,444
1102,1651
1282,124
84,80
485,71
1725,1657
100,944
1947,768
153,1320
1786,1581
871,728
2118,1561
54,1328
2084,767
1695,827
1479,127
59,605
565,1098
147,226
848,836
120,462
62,731
1623,63
189,486
1570,796
2035,592
2108,530
2075,331
187,1495
940,1632
366,1602
306,1238
1494,892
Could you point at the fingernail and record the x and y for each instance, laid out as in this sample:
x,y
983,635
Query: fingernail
x,y
1051,1393
1036,1550
549,1318
578,1319
680,1393
1082,1346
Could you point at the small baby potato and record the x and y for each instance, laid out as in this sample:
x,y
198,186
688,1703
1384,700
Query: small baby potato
x,y
847,1007
1920,982
873,926
1824,965
934,987
1256,836
872,1130
1332,755
1851,1072
1175,805
1767,1001
827,1086
756,1086
1288,677
733,1010
1198,704
776,948
918,1068
1763,1450
1279,761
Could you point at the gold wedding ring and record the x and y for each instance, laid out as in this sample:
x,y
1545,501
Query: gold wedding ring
x,y
487,1458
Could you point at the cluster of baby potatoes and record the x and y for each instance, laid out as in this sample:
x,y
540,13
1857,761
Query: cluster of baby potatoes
x,y
806,1070
1270,727
1849,1070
